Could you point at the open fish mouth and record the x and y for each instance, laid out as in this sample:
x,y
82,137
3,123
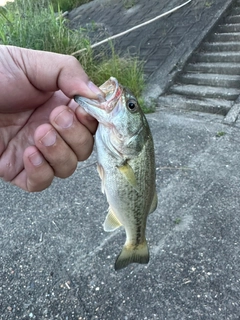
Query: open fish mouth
x,y
112,92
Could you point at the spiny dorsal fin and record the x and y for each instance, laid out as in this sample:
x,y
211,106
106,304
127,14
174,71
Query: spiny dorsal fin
x,y
131,254
111,222
154,203
128,173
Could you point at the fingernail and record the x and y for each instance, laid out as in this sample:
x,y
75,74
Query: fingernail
x,y
36,159
49,139
64,119
94,88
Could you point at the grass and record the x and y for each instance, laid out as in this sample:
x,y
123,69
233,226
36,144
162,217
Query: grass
x,y
208,4
151,107
128,4
33,24
66,5
128,70
177,220
220,134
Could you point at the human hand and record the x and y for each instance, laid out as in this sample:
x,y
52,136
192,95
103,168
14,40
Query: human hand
x,y
43,132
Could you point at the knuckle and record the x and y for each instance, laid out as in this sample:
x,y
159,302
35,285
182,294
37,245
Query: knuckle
x,y
65,167
40,180
38,187
85,147
72,60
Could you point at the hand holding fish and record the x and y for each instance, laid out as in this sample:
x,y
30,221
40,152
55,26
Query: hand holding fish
x,y
43,132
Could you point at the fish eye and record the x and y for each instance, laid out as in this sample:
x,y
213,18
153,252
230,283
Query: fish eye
x,y
132,105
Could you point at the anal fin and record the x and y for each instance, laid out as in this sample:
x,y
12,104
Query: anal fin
x,y
111,222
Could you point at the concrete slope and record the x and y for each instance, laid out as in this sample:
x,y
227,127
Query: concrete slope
x,y
163,45
212,72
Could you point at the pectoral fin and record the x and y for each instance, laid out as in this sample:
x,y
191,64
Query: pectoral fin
x,y
128,173
154,203
101,175
111,222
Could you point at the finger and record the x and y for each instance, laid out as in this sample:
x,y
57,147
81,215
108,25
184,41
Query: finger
x,y
86,119
76,135
55,150
37,174
49,71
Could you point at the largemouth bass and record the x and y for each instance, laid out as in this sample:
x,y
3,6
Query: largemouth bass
x,y
126,165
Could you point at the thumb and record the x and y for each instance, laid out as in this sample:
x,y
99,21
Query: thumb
x,y
49,71
73,80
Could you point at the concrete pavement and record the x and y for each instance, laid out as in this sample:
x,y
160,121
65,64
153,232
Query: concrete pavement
x,y
57,262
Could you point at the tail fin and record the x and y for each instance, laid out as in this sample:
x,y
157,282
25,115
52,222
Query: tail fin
x,y
131,254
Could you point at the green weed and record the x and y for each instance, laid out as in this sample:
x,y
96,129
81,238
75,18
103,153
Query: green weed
x,y
128,4
220,134
128,70
177,220
35,25
66,5
150,107
208,4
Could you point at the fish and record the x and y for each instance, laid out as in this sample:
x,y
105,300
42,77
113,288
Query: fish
x,y
126,166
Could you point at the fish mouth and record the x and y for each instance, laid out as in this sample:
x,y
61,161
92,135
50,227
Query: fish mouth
x,y
112,92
